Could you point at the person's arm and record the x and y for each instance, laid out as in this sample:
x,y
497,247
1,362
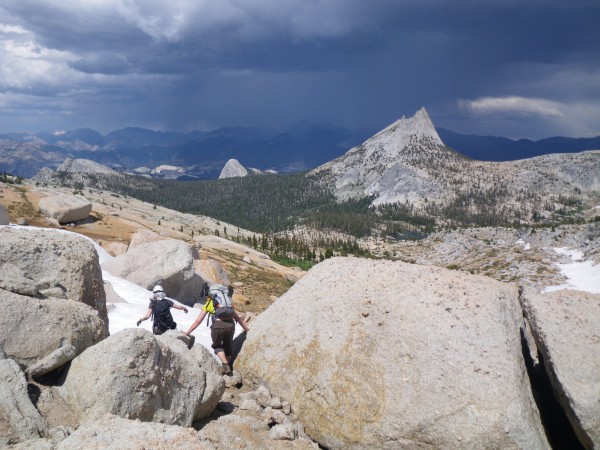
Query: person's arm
x,y
146,316
182,308
240,321
197,322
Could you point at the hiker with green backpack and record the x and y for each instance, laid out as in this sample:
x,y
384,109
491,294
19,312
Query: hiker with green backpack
x,y
219,305
159,310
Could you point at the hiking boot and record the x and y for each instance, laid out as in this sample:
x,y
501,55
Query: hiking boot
x,y
226,369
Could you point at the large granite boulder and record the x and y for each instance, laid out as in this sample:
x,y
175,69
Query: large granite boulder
x,y
50,263
4,219
200,357
19,419
566,329
169,263
65,208
134,375
382,354
46,334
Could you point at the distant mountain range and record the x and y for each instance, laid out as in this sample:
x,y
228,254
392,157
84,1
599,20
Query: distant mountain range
x,y
198,154
405,170
495,148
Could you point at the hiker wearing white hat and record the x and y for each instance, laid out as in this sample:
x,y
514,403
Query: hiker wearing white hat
x,y
159,309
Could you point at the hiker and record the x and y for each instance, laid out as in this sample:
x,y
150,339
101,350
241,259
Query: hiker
x,y
159,308
220,306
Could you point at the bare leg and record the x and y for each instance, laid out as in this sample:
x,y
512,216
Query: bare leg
x,y
222,357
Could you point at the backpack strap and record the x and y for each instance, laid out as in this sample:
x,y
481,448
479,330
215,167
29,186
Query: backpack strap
x,y
209,307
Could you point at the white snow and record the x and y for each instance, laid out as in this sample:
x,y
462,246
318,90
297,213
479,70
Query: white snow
x,y
526,245
575,255
581,275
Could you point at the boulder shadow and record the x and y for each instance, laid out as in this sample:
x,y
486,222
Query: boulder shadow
x,y
238,342
558,428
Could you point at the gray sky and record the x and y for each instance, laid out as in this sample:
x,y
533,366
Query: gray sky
x,y
506,67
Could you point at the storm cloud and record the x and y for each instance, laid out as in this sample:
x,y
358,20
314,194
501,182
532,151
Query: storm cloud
x,y
494,67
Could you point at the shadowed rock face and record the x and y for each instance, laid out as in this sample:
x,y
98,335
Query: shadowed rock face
x,y
566,329
45,263
377,353
19,420
4,219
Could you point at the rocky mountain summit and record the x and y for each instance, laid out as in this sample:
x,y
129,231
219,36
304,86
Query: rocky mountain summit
x,y
233,168
393,164
407,163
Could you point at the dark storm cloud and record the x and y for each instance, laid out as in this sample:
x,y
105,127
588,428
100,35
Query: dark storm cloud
x,y
182,64
105,63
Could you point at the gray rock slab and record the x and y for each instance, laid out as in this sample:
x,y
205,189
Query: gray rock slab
x,y
111,295
141,237
13,279
566,328
212,271
32,329
199,357
52,361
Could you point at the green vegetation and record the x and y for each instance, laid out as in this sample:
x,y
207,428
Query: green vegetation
x,y
270,204
264,204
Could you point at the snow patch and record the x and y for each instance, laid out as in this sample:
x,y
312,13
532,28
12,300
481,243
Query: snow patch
x,y
575,255
525,245
581,275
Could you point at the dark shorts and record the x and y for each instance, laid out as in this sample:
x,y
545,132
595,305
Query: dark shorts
x,y
222,333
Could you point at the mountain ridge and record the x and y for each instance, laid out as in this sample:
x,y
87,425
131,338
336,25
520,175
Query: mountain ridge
x,y
202,154
498,148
